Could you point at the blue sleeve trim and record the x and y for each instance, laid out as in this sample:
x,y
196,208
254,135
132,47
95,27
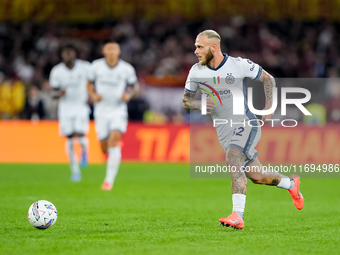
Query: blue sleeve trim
x,y
259,73
189,91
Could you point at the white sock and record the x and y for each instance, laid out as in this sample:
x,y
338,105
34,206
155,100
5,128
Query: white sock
x,y
83,141
113,163
239,201
286,183
72,156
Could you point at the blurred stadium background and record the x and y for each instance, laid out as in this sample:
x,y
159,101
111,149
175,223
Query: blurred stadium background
x,y
289,38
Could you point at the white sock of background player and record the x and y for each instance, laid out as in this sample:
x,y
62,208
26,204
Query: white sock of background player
x,y
83,141
113,163
72,156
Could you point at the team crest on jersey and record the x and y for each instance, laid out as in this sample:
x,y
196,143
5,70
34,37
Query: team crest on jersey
x,y
229,79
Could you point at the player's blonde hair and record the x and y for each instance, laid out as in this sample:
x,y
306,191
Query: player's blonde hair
x,y
210,34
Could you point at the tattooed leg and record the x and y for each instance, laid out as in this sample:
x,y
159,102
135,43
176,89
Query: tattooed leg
x,y
256,175
235,159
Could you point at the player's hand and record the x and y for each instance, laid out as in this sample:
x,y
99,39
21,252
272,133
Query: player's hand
x,y
210,105
63,92
96,98
126,97
269,116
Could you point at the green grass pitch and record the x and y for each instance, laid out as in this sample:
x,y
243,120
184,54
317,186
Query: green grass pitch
x,y
159,209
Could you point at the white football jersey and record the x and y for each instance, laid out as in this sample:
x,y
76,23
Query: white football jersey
x,y
110,84
74,81
232,71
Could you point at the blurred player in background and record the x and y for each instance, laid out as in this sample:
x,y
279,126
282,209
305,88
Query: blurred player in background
x,y
69,82
107,81
239,140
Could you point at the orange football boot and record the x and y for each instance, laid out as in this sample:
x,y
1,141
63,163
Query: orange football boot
x,y
298,199
106,186
233,220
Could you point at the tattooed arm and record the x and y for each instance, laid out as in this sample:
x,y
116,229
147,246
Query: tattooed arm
x,y
190,103
133,91
268,83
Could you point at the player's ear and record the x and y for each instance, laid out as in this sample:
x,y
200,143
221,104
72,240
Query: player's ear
x,y
213,47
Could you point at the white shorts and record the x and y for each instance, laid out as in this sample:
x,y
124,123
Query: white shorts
x,y
244,138
74,124
104,126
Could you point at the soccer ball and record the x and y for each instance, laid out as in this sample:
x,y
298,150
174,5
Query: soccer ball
x,y
42,214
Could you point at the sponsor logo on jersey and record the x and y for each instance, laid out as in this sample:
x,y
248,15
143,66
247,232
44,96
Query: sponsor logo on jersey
x,y
222,92
200,84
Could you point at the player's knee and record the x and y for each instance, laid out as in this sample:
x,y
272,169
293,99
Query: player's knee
x,y
235,157
103,146
114,139
113,142
232,161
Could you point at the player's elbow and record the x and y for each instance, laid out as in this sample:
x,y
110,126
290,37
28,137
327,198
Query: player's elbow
x,y
271,78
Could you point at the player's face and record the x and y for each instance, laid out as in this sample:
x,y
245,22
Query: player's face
x,y
203,50
68,55
111,51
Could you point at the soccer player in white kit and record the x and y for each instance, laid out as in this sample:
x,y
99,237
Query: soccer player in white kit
x,y
239,140
107,81
69,82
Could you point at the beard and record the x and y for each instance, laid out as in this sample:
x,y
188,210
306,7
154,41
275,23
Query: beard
x,y
208,57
